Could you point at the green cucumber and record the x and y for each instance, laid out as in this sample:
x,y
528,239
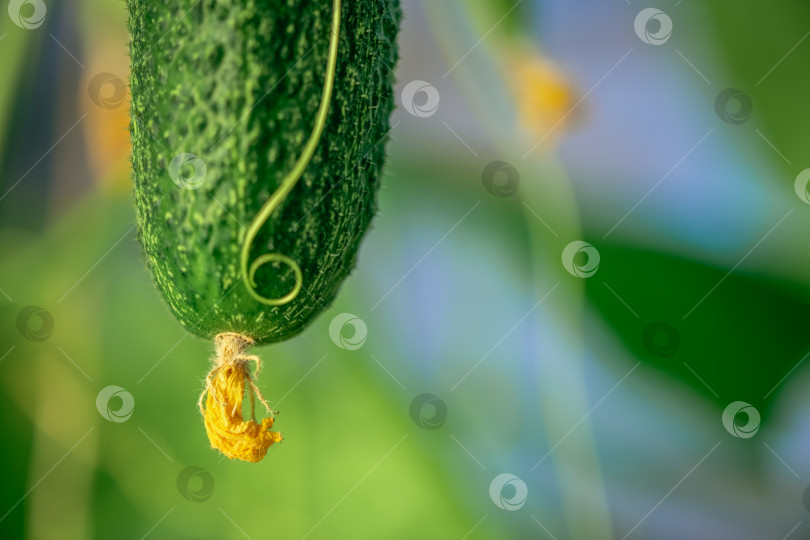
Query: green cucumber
x,y
229,90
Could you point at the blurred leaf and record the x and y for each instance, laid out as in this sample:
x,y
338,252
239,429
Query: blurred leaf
x,y
767,51
742,333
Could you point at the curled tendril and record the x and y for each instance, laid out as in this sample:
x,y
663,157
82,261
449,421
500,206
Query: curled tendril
x,y
289,181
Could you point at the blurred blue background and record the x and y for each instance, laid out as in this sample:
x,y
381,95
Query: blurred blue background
x,y
651,383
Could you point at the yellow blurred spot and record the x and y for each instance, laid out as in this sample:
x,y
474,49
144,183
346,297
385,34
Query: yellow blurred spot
x,y
104,97
543,94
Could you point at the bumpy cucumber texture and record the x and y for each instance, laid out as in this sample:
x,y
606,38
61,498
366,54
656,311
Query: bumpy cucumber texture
x,y
237,84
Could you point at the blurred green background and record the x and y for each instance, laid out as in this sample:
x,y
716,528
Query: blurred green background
x,y
603,395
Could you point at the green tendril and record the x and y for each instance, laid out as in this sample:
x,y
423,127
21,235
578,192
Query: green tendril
x,y
289,181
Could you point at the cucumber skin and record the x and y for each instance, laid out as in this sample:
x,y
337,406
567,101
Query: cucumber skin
x,y
259,66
